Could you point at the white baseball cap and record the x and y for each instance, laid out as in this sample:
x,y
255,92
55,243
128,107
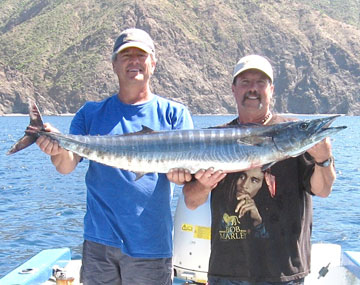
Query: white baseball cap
x,y
254,62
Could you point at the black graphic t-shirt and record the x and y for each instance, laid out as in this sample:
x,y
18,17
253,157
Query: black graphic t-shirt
x,y
271,241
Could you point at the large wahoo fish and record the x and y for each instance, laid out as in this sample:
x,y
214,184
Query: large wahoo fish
x,y
229,148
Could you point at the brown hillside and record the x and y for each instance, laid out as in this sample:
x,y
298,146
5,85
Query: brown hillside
x,y
58,52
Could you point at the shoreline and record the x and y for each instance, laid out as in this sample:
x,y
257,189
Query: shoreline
x,y
199,115
26,115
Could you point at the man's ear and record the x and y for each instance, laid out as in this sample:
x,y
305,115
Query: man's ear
x,y
272,99
232,88
153,65
272,91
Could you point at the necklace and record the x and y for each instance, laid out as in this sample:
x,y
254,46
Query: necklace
x,y
263,121
266,119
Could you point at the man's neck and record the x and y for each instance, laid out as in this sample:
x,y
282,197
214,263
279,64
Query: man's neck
x,y
134,95
262,119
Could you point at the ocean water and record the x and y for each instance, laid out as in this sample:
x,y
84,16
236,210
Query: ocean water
x,y
41,209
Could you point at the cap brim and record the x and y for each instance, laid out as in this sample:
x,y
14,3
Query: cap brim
x,y
135,45
252,67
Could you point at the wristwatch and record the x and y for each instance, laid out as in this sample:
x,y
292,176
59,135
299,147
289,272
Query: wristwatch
x,y
326,163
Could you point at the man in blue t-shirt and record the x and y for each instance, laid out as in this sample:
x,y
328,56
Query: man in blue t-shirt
x,y
128,224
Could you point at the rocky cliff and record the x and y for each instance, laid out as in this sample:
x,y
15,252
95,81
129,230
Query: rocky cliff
x,y
58,51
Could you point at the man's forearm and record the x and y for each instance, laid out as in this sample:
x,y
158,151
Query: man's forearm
x,y
195,194
322,180
65,162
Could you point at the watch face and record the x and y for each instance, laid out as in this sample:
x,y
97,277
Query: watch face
x,y
326,163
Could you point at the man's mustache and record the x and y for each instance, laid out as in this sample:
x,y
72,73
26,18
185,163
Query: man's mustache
x,y
252,94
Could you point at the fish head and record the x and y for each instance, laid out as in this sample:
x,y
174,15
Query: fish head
x,y
294,138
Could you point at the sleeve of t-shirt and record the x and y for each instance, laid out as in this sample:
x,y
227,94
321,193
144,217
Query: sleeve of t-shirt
x,y
78,125
306,170
183,120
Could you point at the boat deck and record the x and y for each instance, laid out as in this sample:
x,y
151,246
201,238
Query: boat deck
x,y
340,268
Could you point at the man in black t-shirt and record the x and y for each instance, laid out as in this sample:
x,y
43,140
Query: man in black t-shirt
x,y
260,236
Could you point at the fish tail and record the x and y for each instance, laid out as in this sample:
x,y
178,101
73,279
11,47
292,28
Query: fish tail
x,y
32,131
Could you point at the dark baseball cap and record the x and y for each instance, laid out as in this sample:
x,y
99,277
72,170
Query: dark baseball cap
x,y
134,38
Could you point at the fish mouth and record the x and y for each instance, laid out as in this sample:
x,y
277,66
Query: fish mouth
x,y
306,134
321,127
330,120
325,123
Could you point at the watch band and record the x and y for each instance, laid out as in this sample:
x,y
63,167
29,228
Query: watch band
x,y
326,163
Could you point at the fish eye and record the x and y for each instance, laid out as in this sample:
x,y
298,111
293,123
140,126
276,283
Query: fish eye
x,y
304,126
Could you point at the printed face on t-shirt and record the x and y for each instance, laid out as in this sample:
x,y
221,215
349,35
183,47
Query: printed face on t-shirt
x,y
250,182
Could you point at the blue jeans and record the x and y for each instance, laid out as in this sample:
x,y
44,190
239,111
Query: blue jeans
x,y
103,264
221,281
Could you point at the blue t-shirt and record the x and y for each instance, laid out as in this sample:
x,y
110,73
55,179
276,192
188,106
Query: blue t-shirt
x,y
121,212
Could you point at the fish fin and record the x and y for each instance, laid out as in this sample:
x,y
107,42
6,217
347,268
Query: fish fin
x,y
22,143
144,130
267,166
254,140
31,133
139,175
244,141
35,116
242,126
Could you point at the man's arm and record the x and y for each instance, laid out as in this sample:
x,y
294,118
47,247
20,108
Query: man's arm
x,y
64,161
196,192
323,178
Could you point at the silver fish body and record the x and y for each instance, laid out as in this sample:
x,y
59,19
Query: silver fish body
x,y
229,149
